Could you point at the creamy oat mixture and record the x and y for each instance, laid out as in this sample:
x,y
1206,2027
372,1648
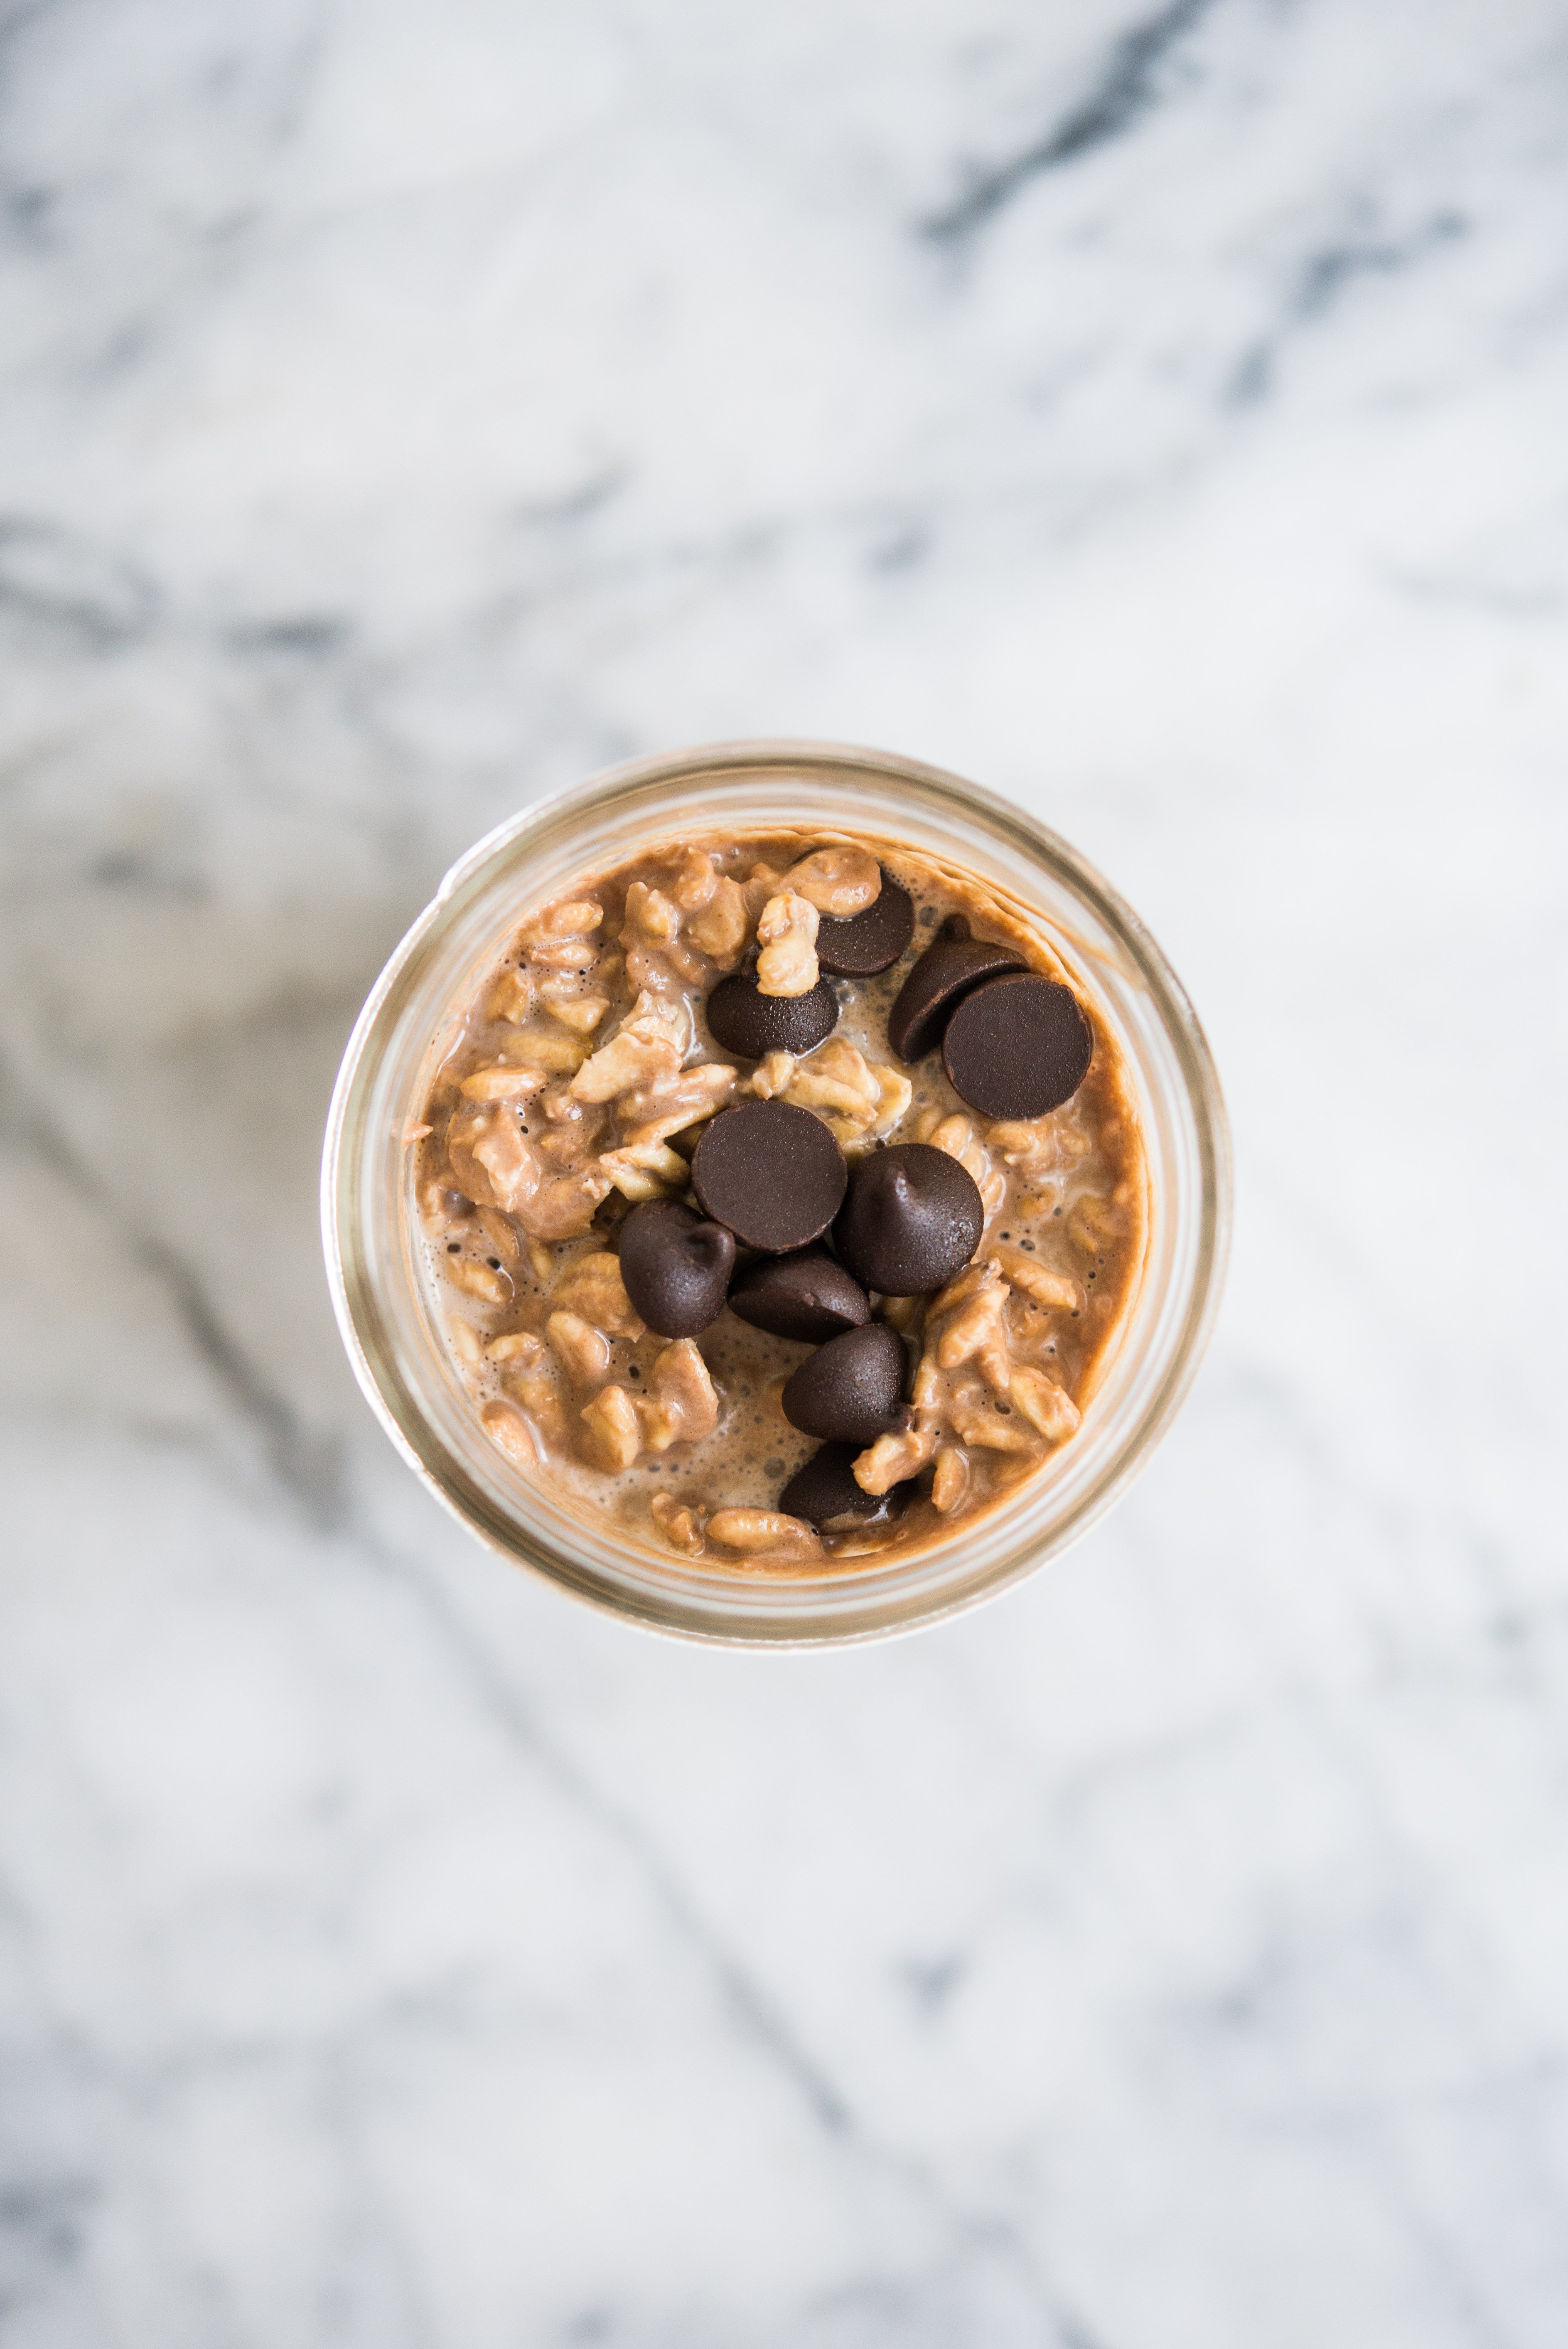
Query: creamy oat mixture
x,y
577,1086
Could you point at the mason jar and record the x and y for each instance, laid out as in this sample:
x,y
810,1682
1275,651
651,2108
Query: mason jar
x,y
386,1312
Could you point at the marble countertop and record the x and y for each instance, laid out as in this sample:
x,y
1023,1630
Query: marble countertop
x,y
1158,418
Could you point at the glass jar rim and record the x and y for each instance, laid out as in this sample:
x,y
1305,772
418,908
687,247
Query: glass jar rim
x,y
364,1150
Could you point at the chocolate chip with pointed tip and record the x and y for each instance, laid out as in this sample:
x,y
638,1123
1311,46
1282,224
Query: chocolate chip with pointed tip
x,y
824,1492
743,1019
676,1266
774,1174
952,963
912,1217
1018,1046
806,1295
850,1391
862,944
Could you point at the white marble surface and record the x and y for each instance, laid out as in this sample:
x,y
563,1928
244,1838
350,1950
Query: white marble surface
x,y
409,410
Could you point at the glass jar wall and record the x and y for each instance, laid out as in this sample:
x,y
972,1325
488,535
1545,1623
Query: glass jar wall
x,y
384,1310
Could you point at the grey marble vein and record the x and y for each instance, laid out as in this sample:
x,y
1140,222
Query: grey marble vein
x,y
1125,87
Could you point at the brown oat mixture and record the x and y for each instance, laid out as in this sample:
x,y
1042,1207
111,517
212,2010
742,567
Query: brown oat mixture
x,y
578,1084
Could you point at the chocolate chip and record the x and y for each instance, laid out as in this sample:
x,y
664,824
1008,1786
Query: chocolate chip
x,y
804,1296
676,1266
952,963
913,1218
850,1389
1017,1047
745,1020
863,944
824,1492
773,1173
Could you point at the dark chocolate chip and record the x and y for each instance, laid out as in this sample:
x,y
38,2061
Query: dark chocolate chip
x,y
745,1020
824,1492
913,1218
952,963
850,1390
676,1266
773,1173
1017,1047
863,944
806,1295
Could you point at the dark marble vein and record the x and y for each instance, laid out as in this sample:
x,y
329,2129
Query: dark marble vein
x,y
307,1467
754,2012
43,2233
308,1475
757,2014
1128,85
1322,278
72,590
308,635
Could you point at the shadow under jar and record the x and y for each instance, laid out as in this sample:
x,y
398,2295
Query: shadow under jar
x,y
425,1377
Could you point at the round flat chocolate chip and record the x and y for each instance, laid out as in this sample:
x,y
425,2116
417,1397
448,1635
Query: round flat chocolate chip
x,y
863,944
676,1266
824,1492
952,963
745,1020
913,1218
1017,1047
850,1390
804,1296
773,1173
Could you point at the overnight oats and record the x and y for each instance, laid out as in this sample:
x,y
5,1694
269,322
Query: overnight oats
x,y
780,1197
